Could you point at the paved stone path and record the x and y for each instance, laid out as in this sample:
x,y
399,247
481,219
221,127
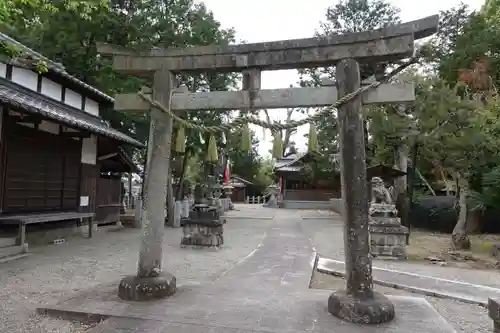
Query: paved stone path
x,y
266,292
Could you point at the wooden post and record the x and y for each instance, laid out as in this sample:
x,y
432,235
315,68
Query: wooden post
x,y
401,184
90,223
130,196
358,303
22,237
149,283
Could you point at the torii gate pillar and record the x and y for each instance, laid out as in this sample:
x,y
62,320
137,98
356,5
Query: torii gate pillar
x,y
358,303
150,282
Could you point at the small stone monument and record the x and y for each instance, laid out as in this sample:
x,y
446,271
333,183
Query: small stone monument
x,y
387,235
203,227
273,201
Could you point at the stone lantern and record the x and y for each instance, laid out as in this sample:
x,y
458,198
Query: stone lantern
x,y
228,191
217,190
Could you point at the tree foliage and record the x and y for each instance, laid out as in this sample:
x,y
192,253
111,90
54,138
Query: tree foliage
x,y
346,17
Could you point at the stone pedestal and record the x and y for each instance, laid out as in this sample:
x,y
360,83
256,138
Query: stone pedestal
x,y
371,309
203,227
136,288
387,235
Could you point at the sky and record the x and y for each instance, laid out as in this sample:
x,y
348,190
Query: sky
x,y
269,20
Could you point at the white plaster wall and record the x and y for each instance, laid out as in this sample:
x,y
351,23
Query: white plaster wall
x,y
89,150
3,69
91,107
25,77
73,99
49,127
51,89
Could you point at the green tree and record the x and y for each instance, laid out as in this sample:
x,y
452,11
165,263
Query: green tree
x,y
458,135
144,24
348,16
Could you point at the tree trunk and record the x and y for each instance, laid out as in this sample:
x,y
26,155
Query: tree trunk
x,y
459,238
474,218
288,132
180,188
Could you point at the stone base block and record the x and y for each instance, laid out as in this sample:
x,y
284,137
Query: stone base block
x,y
388,240
202,234
134,288
494,313
377,309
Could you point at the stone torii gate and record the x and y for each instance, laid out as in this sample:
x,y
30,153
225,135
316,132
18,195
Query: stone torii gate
x,y
358,303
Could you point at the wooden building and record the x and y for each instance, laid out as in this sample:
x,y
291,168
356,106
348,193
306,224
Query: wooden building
x,y
240,185
296,187
58,159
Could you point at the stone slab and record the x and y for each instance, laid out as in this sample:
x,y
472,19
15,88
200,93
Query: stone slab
x,y
425,285
193,308
265,291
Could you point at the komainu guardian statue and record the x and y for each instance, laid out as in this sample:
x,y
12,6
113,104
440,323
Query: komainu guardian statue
x,y
387,235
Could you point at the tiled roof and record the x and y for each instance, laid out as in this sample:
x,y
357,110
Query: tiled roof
x,y
287,163
242,180
32,102
55,67
128,159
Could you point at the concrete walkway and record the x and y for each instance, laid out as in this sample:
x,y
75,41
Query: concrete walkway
x,y
266,292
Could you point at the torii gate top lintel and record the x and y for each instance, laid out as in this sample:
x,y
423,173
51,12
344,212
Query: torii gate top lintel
x,y
390,43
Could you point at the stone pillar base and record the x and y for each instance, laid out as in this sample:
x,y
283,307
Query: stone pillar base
x,y
134,288
201,234
377,309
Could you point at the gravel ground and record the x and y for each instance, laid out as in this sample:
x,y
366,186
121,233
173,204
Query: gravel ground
x,y
60,271
465,318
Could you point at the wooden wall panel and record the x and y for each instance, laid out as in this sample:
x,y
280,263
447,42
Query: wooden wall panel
x,y
40,169
88,186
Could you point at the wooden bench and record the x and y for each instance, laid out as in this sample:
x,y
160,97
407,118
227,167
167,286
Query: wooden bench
x,y
24,219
